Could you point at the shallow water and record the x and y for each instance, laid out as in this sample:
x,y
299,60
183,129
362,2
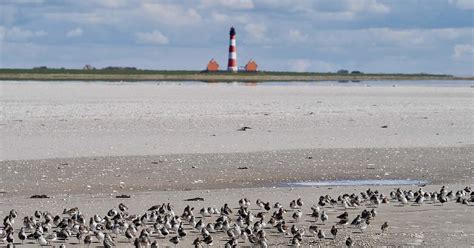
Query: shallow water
x,y
386,83
357,183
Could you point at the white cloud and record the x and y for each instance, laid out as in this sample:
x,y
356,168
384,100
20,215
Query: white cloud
x,y
399,37
219,17
257,32
102,17
19,34
232,4
464,52
74,32
296,36
299,65
373,37
463,4
226,18
350,7
154,38
112,3
371,6
171,14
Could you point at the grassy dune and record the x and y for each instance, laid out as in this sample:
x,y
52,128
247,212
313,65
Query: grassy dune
x,y
159,75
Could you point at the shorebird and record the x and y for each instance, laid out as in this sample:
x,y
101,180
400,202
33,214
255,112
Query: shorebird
x,y
108,241
53,237
343,222
321,234
316,212
122,207
349,242
99,236
295,242
197,243
356,221
282,227
373,213
442,199
334,231
22,235
231,243
71,211
42,241
204,212
154,244
324,217
10,238
403,200
88,240
384,227
299,202
175,240
181,232
363,225
208,240
419,200
294,230
344,215
313,229
297,215
293,204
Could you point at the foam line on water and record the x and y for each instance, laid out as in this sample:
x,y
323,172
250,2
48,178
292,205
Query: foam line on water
x,y
357,182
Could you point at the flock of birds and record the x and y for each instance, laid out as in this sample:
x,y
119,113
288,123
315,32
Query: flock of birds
x,y
232,226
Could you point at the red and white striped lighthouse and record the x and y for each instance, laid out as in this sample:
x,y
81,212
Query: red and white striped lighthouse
x,y
232,64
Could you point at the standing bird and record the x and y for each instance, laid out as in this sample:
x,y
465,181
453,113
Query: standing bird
x,y
22,235
324,217
108,241
419,200
88,240
349,242
10,238
299,202
384,226
197,243
123,208
403,200
334,231
42,241
297,215
313,229
208,240
321,234
175,240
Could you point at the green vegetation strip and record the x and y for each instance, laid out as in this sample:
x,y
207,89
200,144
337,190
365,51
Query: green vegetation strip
x,y
158,75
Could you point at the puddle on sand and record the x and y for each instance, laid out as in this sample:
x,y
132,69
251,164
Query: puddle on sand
x,y
356,183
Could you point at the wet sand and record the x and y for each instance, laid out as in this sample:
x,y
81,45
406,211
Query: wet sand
x,y
131,174
82,144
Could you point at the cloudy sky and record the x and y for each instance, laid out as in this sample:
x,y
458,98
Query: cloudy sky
x,y
433,36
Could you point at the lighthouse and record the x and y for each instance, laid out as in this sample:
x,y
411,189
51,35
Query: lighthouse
x,y
232,64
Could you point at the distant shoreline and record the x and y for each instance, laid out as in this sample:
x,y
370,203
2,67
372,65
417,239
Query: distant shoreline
x,y
152,75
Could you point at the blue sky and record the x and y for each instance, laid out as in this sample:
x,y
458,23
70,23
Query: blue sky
x,y
409,36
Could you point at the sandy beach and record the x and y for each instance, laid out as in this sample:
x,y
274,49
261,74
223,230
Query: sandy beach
x,y
82,144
